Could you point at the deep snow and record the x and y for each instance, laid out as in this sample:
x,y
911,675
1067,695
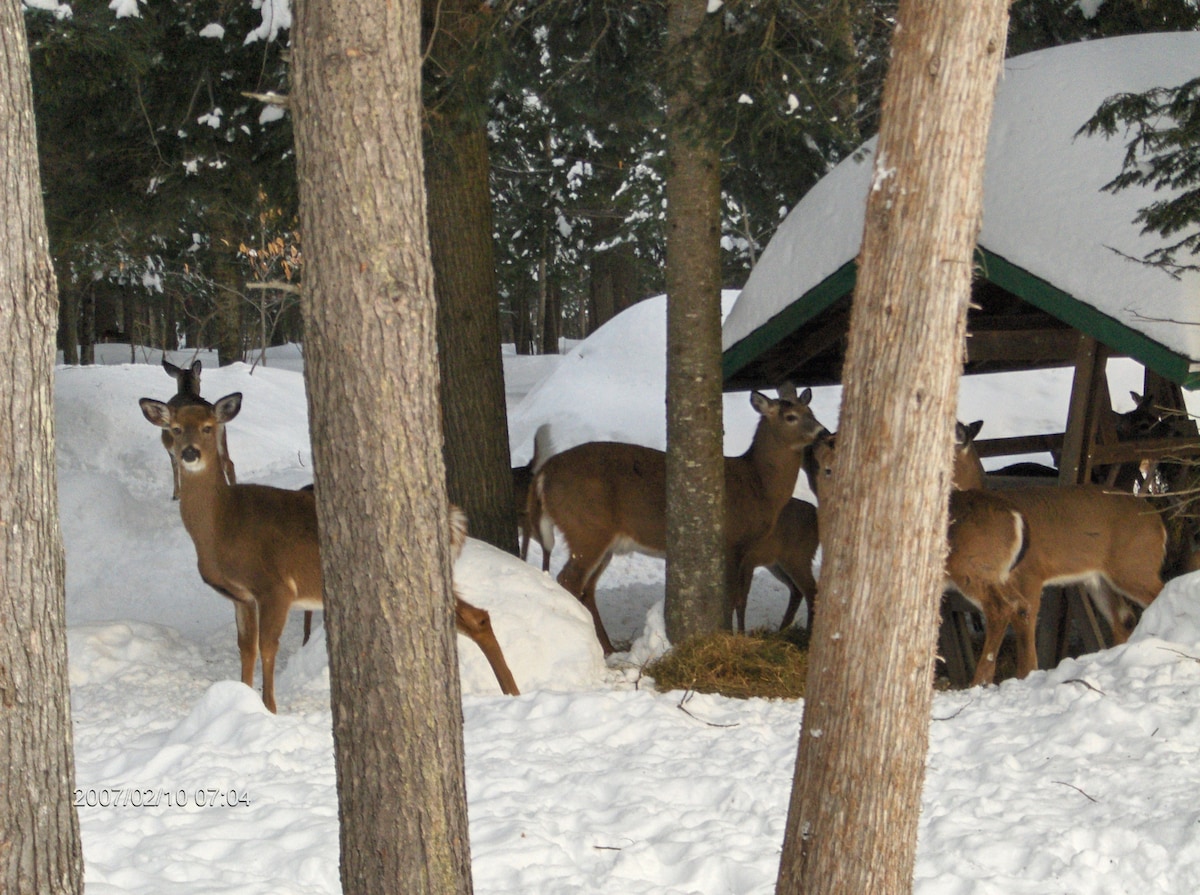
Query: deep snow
x,y
1081,779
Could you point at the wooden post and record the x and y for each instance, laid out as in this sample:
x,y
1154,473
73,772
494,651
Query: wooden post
x,y
1075,464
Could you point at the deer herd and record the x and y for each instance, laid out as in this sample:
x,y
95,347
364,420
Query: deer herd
x,y
258,545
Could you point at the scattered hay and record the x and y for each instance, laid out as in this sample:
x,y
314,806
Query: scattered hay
x,y
772,665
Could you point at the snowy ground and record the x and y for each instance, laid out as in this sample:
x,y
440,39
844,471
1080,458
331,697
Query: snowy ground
x,y
1077,780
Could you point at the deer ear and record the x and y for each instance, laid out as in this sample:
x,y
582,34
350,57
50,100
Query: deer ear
x,y
228,407
196,368
759,401
964,433
171,369
805,397
156,412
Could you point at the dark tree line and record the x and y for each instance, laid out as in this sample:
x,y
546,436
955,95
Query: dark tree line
x,y
162,175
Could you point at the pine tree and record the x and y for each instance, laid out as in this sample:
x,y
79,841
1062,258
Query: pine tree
x,y
1163,153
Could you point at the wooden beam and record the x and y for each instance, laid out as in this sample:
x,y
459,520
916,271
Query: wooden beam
x,y
1019,444
1023,345
1074,465
1145,449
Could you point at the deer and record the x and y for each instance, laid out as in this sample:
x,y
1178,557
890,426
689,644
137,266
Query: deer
x,y
1112,543
187,391
787,553
257,545
522,480
610,497
987,541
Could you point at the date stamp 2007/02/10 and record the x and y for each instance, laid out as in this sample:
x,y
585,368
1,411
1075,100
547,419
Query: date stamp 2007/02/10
x,y
160,797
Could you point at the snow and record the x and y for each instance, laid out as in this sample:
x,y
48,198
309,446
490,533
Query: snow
x,y
1079,779
1043,208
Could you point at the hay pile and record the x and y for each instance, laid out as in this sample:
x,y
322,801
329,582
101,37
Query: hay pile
x,y
771,665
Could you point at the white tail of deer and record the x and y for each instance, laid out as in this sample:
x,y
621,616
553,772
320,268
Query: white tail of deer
x,y
1111,543
608,498
986,539
258,545
187,391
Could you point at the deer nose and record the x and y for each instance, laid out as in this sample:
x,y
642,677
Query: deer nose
x,y
190,454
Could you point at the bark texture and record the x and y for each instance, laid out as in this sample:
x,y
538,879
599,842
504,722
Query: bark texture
x,y
696,595
852,823
478,464
372,377
40,851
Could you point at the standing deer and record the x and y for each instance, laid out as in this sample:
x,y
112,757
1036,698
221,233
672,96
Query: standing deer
x,y
787,553
1111,543
257,545
609,497
987,540
187,391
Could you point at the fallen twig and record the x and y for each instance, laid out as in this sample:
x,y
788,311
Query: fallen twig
x,y
1077,789
954,715
687,695
1180,653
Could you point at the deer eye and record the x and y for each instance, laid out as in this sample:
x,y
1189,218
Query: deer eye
x,y
208,428
177,430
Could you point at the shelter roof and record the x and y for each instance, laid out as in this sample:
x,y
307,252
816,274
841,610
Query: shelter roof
x,y
1056,252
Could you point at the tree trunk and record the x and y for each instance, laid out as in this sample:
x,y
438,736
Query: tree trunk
x,y
227,300
522,317
696,596
68,322
87,353
40,852
852,823
552,317
478,463
371,371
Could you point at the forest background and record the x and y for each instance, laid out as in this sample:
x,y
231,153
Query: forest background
x,y
170,185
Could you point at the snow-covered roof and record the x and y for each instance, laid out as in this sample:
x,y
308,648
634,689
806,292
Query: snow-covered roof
x,y
1046,220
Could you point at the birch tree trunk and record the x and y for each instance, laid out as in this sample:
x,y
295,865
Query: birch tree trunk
x,y
852,822
372,376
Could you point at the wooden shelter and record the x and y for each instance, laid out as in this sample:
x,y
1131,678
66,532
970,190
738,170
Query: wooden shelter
x,y
1058,281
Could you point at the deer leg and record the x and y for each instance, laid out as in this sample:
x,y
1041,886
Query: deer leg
x,y
996,614
794,597
476,623
246,614
801,586
272,619
1024,622
1114,609
583,585
740,593
307,626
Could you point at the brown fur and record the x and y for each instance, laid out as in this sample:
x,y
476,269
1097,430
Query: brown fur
x,y
608,497
986,539
187,391
258,545
787,553
1111,543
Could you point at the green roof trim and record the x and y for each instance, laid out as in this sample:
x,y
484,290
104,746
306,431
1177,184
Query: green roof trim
x,y
1003,273
790,319
1086,319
